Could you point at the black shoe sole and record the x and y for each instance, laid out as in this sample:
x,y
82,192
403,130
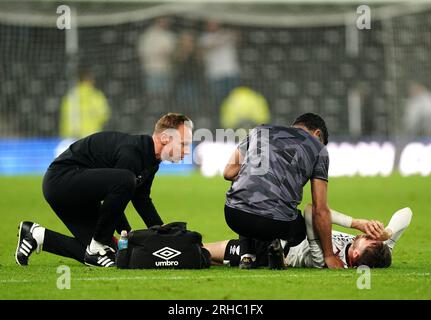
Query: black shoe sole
x,y
99,266
95,264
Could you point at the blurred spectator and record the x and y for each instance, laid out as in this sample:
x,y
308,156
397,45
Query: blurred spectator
x,y
418,111
221,60
188,68
84,110
244,109
156,49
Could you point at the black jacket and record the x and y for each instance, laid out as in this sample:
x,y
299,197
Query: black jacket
x,y
121,151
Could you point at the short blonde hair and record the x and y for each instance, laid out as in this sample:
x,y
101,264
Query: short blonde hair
x,y
172,121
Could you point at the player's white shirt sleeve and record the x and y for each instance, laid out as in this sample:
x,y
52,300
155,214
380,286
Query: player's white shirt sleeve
x,y
397,225
309,254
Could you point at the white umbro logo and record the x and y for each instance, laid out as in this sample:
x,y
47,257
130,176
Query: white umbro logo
x,y
166,253
234,250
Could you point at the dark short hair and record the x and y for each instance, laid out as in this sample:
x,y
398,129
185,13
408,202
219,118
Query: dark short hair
x,y
172,121
313,121
376,255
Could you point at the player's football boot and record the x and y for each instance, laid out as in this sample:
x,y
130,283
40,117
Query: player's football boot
x,y
276,255
247,263
104,258
26,243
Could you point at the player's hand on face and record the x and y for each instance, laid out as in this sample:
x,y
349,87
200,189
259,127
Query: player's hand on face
x,y
333,262
375,229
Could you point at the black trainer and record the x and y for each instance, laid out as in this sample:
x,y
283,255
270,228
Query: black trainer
x,y
104,258
247,263
276,255
26,243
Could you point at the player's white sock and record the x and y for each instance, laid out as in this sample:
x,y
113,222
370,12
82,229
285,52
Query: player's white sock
x,y
38,234
96,246
398,223
249,255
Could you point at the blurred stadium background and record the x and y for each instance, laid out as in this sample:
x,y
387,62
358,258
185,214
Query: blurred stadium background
x,y
263,61
370,85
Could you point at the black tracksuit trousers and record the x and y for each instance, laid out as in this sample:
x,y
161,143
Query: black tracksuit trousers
x,y
251,227
90,202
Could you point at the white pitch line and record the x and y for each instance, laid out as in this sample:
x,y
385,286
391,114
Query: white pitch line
x,y
280,275
151,278
183,277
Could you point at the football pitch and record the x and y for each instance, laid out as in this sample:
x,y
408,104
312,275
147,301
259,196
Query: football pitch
x,y
199,201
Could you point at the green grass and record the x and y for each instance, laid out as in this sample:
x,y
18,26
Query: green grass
x,y
199,201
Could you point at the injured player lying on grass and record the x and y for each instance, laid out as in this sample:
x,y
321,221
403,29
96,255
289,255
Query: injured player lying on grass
x,y
373,248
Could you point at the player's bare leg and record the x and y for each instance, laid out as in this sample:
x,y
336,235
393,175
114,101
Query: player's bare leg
x,y
217,250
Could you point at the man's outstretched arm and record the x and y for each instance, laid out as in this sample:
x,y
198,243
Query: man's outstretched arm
x,y
373,228
322,222
144,205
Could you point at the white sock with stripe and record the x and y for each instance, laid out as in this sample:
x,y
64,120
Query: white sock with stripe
x,y
38,234
96,246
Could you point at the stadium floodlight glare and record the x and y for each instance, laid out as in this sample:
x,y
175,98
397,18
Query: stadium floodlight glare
x,y
301,55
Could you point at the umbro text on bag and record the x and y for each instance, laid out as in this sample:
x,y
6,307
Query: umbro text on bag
x,y
164,247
